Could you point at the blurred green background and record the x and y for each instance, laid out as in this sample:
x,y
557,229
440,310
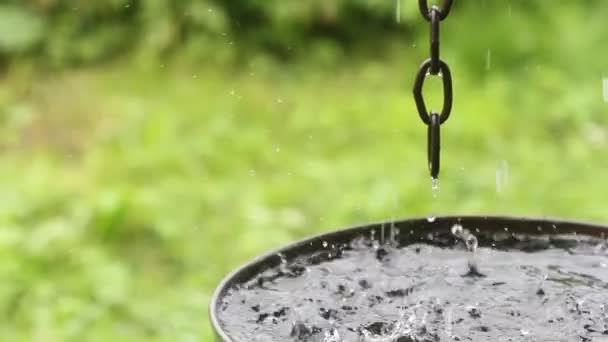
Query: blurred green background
x,y
150,146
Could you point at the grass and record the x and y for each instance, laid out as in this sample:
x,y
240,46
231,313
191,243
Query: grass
x,y
129,192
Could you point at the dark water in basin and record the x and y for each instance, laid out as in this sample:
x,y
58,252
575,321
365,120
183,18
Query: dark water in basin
x,y
524,291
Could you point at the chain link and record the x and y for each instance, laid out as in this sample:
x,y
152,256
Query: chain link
x,y
434,66
444,10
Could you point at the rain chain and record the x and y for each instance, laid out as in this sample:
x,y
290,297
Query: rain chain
x,y
434,66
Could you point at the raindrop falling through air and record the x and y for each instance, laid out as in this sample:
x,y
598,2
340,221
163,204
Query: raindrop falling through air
x,y
398,12
502,176
435,187
488,60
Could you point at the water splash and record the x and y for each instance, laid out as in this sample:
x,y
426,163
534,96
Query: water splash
x,y
471,244
332,335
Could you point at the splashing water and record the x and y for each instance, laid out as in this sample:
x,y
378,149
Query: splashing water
x,y
411,297
471,244
332,335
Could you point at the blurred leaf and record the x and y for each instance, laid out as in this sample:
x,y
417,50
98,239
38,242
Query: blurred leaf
x,y
20,29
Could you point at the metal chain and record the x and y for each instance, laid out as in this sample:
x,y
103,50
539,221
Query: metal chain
x,y
434,66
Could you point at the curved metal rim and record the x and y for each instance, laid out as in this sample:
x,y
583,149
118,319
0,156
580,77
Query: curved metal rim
x,y
228,279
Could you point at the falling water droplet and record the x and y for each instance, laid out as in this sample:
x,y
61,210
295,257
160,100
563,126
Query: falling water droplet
x,y
435,187
488,60
502,176
398,12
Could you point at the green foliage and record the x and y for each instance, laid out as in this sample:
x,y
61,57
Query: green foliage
x,y
129,190
20,30
77,31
